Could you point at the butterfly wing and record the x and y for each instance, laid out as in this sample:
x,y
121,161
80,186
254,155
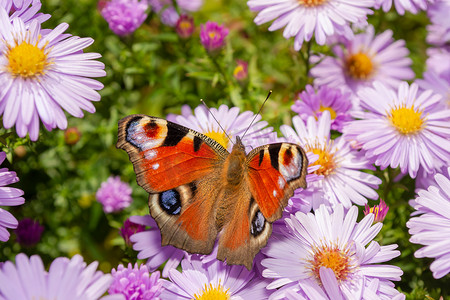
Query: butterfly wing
x,y
274,172
178,167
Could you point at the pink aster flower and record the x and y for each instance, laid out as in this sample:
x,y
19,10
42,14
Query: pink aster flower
x,y
66,279
380,211
232,121
363,60
328,256
185,26
413,6
148,245
403,128
342,180
124,16
313,102
240,72
432,227
29,232
43,75
8,197
128,229
212,36
114,194
135,283
303,19
27,10
213,280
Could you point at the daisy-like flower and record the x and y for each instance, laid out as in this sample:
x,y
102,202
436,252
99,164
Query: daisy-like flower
x,y
148,245
27,11
403,128
439,29
339,165
212,36
431,228
8,197
232,121
135,283
413,6
363,60
306,18
185,26
213,280
29,232
313,103
124,16
66,279
328,256
40,75
114,194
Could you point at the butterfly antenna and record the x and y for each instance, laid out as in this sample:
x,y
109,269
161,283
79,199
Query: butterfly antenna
x,y
259,111
201,100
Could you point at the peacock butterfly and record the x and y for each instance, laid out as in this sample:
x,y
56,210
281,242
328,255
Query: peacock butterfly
x,y
198,190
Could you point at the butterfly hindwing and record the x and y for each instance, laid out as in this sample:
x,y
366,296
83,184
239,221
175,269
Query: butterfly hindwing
x,y
178,167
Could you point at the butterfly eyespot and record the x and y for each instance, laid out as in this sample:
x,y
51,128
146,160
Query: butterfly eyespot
x,y
258,224
170,202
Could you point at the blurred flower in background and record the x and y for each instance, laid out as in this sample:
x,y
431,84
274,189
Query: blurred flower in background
x,y
8,197
114,194
124,16
212,36
128,229
29,232
72,135
66,279
189,5
240,72
185,26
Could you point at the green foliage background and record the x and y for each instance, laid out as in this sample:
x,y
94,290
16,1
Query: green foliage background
x,y
155,72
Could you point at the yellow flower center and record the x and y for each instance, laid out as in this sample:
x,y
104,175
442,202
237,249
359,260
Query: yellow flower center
x,y
406,120
27,60
359,66
310,3
212,293
332,111
219,137
186,25
333,258
212,34
238,70
326,159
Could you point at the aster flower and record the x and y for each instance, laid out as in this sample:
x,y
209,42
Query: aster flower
x,y
124,16
40,75
190,5
241,70
403,128
328,256
148,245
66,279
413,6
431,228
212,36
339,165
128,229
313,103
135,283
380,211
439,29
29,232
439,84
231,120
213,280
165,9
363,60
185,26
439,61
114,194
8,197
27,10
305,18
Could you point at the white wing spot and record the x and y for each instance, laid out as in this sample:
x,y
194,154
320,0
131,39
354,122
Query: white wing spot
x,y
150,154
275,193
281,182
155,166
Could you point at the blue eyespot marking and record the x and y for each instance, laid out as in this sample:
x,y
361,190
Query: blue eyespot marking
x,y
257,224
170,202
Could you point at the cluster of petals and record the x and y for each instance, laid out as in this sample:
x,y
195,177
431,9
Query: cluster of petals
x,y
413,6
114,194
124,16
303,19
27,10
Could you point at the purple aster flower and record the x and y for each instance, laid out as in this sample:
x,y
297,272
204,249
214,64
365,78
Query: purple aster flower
x,y
439,84
403,128
328,256
8,197
380,211
212,36
27,11
165,9
114,194
363,60
29,232
128,229
413,6
431,228
148,245
40,75
190,5
124,16
185,26
213,280
305,18
314,103
439,29
231,120
135,283
66,279
339,165
439,61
